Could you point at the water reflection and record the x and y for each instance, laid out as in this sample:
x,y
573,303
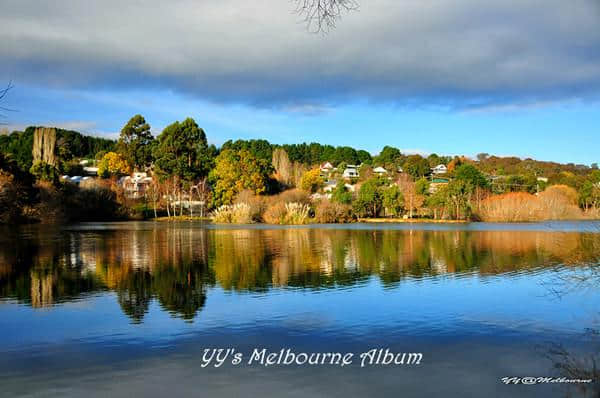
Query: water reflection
x,y
176,265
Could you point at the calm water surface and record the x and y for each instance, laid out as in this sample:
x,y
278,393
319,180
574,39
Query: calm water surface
x,y
127,309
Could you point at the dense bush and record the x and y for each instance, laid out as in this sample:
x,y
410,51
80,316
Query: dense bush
x,y
333,212
233,214
556,203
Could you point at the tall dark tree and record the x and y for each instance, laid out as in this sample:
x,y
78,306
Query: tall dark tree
x,y
135,142
182,157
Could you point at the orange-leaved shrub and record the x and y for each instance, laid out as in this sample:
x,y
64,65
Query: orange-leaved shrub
x,y
558,202
332,212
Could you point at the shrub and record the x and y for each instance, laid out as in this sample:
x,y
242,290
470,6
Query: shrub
x,y
293,196
294,213
559,202
233,214
275,214
555,203
255,202
332,212
510,207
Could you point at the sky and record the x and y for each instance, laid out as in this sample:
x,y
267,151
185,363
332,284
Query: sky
x,y
452,77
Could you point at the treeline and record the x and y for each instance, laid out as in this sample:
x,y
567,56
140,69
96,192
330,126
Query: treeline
x,y
256,181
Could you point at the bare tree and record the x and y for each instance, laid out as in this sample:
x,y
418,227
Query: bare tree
x,y
3,93
321,15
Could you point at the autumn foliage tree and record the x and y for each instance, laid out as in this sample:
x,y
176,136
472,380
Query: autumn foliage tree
x,y
311,180
236,171
113,164
413,200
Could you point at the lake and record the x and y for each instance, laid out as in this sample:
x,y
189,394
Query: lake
x,y
129,309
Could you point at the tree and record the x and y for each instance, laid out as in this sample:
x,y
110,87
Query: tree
x,y
459,195
471,174
341,194
364,157
322,15
369,200
438,202
135,143
589,195
113,164
283,167
389,157
416,166
413,200
393,201
422,186
182,155
236,171
3,93
476,180
311,180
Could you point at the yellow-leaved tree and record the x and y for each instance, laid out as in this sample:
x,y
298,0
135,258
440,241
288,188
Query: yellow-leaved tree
x,y
113,164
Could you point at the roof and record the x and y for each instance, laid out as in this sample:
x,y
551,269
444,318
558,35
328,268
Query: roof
x,y
379,169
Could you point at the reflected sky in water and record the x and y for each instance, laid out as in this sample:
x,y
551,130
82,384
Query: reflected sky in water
x,y
127,308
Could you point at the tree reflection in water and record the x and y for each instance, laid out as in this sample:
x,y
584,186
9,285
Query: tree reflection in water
x,y
571,363
177,264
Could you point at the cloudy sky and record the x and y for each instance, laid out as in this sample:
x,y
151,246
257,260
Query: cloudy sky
x,y
447,76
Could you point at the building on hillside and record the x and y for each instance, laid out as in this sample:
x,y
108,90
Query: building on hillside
x,y
75,179
351,171
326,167
542,179
325,170
437,183
91,171
330,186
439,169
400,169
380,171
135,185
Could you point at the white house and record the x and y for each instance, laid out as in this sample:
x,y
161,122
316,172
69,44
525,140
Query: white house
x,y
92,171
326,167
379,170
351,171
135,185
439,169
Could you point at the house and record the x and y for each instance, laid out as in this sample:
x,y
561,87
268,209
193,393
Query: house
x,y
74,179
92,171
400,169
330,186
380,171
135,185
326,167
542,179
439,169
437,183
351,171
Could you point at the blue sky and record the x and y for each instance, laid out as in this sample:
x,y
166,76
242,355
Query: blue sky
x,y
452,77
